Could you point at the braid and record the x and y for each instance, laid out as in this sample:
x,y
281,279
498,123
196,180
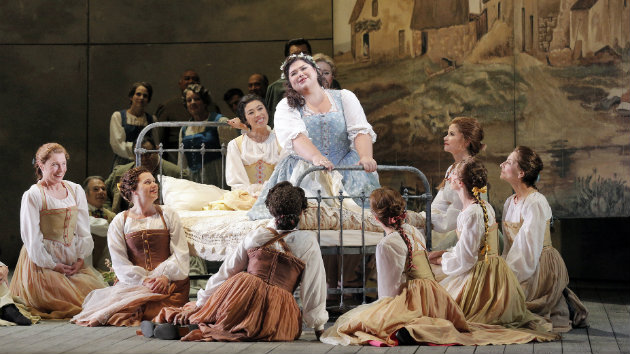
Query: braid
x,y
485,247
398,227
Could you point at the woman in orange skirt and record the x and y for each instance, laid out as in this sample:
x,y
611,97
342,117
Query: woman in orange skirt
x,y
149,256
54,224
251,297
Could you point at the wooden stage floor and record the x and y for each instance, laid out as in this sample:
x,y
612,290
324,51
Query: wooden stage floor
x,y
609,332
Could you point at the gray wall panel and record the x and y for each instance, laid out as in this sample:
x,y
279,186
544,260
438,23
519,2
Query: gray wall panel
x,y
42,99
43,21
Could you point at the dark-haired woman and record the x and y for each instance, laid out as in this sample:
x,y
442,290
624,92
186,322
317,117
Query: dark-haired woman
x,y
125,125
149,256
528,251
477,277
251,157
323,128
250,298
50,274
412,307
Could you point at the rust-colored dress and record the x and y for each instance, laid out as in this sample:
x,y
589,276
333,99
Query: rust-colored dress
x,y
253,305
126,304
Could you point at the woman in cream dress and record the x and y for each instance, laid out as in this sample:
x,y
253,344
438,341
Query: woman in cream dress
x,y
412,307
463,139
477,277
50,274
528,251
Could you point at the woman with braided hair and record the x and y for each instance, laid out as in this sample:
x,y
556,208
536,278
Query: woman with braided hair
x,y
528,250
477,277
250,298
412,307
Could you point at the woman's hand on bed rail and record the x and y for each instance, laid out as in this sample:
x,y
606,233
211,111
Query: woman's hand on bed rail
x,y
368,163
320,160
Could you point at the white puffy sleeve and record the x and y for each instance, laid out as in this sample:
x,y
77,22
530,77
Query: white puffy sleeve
x,y
235,174
445,208
30,231
506,207
83,242
288,124
313,288
177,265
464,255
233,264
524,255
390,263
98,226
117,137
126,271
356,121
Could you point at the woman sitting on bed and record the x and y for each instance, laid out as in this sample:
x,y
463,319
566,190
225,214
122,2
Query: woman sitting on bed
x,y
251,157
251,297
320,127
149,256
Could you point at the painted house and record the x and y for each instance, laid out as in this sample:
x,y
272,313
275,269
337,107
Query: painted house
x,y
385,30
596,24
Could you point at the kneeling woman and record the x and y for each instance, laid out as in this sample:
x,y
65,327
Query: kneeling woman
x,y
528,249
149,256
477,277
412,307
251,297
54,224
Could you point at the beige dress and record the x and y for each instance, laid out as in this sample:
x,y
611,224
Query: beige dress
x,y
479,279
415,301
538,266
54,231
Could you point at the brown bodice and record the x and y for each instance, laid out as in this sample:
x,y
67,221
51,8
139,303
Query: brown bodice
x,y
281,269
148,248
511,229
58,224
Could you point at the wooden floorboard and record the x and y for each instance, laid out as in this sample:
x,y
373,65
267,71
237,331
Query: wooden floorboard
x,y
609,332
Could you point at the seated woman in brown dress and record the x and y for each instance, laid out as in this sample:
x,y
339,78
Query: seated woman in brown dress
x,y
251,297
149,256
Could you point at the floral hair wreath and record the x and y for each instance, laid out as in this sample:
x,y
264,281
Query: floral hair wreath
x,y
302,56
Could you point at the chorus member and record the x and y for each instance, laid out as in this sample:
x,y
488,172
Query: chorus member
x,y
12,313
149,256
126,124
322,128
528,251
477,277
100,217
251,157
463,140
50,274
328,69
206,169
251,297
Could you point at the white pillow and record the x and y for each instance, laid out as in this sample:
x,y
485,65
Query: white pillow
x,y
182,194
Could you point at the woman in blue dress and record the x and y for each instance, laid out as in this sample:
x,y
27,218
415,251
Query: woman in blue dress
x,y
323,128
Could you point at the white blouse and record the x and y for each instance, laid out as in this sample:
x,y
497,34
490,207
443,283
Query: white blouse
x,y
174,267
46,253
524,254
391,257
117,134
288,122
458,262
445,207
303,244
250,152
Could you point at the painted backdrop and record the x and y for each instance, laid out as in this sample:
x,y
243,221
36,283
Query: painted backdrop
x,y
549,74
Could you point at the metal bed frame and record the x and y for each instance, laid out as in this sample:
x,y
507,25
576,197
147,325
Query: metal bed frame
x,y
326,250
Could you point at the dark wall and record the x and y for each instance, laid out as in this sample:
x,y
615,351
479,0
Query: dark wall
x,y
65,67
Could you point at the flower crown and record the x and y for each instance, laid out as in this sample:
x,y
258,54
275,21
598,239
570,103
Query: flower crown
x,y
302,56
